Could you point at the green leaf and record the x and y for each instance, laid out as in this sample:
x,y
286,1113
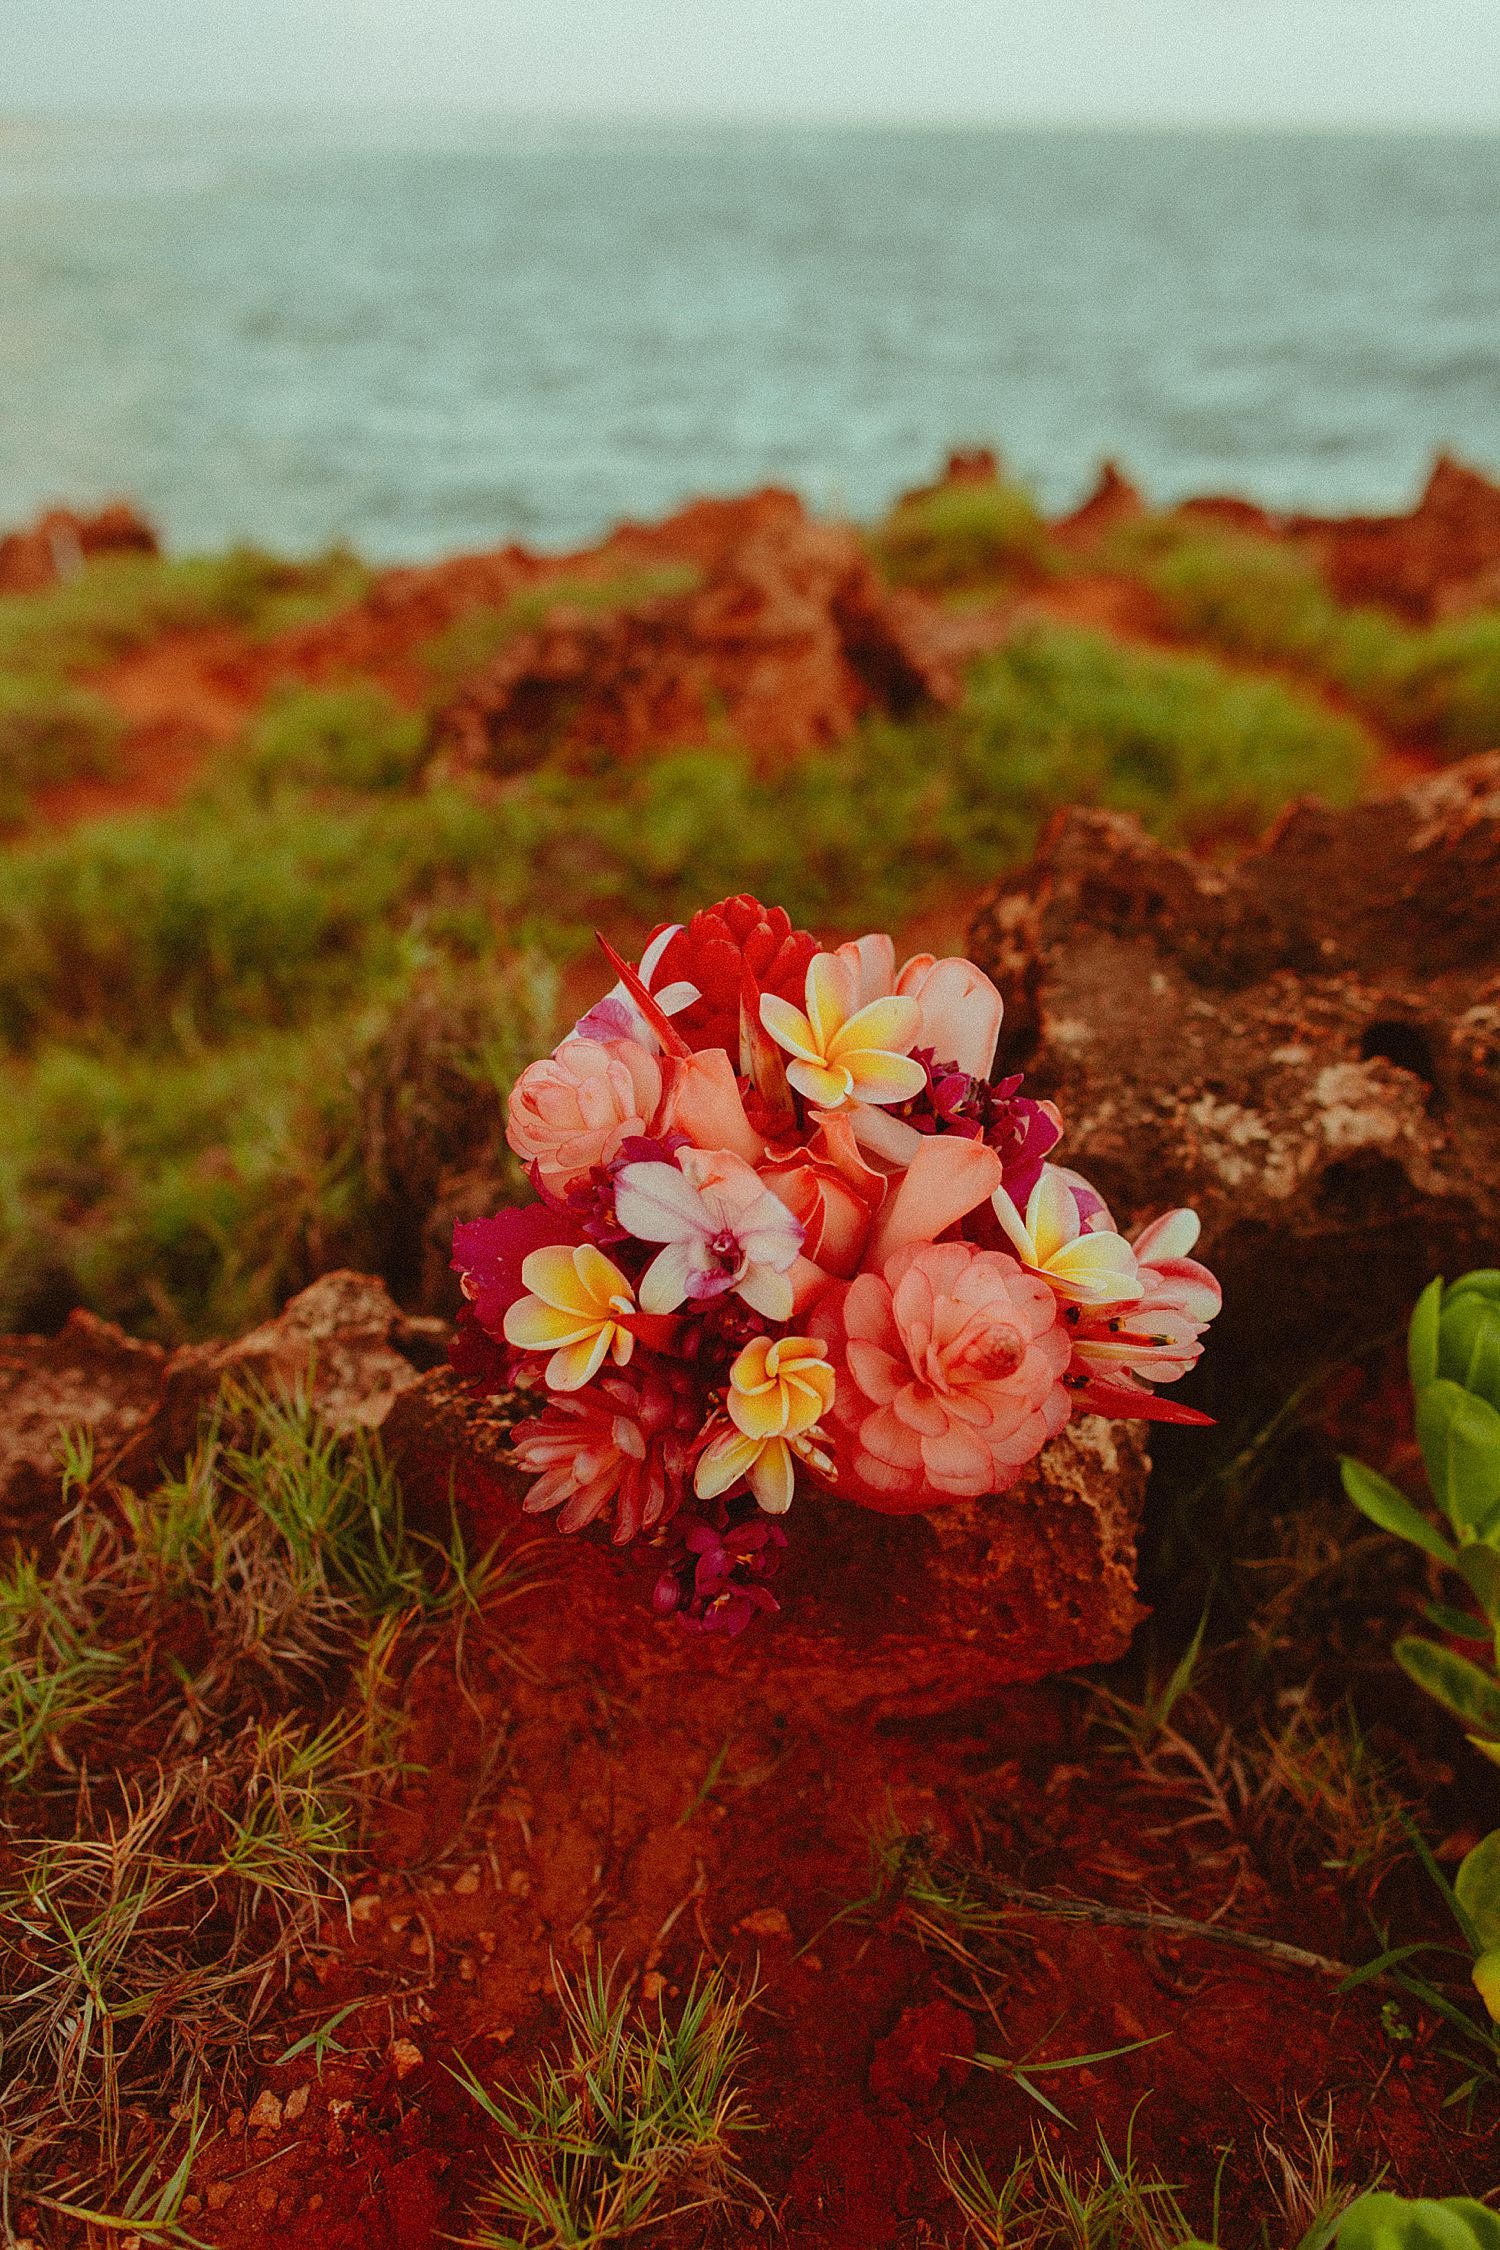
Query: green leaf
x,y
1462,1624
1487,1982
1480,1564
1377,1498
1460,1440
1484,1281
1469,1345
1477,1886
1399,2222
1471,1695
1486,1747
1422,1337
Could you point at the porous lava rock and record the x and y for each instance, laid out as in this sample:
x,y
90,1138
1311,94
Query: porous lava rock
x,y
904,1614
1305,1047
1440,560
55,547
342,1339
90,1380
787,640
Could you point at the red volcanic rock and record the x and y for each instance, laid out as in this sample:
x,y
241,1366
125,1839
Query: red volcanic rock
x,y
975,464
787,642
1113,501
1223,512
879,1613
57,545
1304,1047
1441,559
91,1379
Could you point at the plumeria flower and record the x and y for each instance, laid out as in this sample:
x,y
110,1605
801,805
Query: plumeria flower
x,y
723,1229
779,1390
842,1052
617,1015
574,1311
1083,1268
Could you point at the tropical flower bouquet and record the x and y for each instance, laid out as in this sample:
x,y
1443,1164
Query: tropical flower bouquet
x,y
788,1231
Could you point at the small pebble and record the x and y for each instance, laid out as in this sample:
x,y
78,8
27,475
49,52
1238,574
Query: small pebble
x,y
265,2117
404,2057
295,2103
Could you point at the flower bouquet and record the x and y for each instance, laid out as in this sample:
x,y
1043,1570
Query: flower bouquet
x,y
788,1231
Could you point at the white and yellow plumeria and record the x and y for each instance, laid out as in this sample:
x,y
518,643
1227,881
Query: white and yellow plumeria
x,y
577,1298
779,1390
1083,1269
844,1053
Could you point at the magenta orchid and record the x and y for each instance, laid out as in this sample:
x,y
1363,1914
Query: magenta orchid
x,y
723,1230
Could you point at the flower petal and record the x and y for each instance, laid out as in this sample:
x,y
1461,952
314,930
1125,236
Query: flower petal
x,y
821,1087
1052,1215
723,1461
656,1203
534,1326
763,1289
789,1028
668,1278
832,997
881,1077
773,1477
891,1025
577,1364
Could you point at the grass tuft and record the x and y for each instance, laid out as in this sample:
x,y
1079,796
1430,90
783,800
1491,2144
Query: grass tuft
x,y
630,2128
963,535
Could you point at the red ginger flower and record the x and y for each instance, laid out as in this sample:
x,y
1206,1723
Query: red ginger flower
x,y
625,1444
713,952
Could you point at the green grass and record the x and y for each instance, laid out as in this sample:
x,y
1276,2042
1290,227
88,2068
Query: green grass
x,y
1436,685
119,603
192,1730
963,535
630,2128
355,737
49,732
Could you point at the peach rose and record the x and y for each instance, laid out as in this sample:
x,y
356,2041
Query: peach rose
x,y
950,1364
572,1112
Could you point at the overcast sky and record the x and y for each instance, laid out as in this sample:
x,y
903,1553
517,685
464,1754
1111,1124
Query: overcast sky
x,y
1340,62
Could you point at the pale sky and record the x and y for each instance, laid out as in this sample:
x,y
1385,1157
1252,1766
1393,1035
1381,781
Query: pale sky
x,y
1263,62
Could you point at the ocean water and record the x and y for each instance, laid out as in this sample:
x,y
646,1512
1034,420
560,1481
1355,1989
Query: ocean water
x,y
420,335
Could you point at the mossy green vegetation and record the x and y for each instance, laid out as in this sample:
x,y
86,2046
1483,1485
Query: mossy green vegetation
x,y
119,603
1253,599
50,731
474,638
964,534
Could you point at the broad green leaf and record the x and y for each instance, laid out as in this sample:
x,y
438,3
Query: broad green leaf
x,y
1460,1439
1480,1564
1376,1497
1462,1624
1471,1695
1484,1281
1422,1337
1487,1982
1469,1345
1477,1884
1399,2222
1486,1747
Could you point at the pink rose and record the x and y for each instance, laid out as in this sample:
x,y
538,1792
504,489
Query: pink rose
x,y
572,1112
950,1375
